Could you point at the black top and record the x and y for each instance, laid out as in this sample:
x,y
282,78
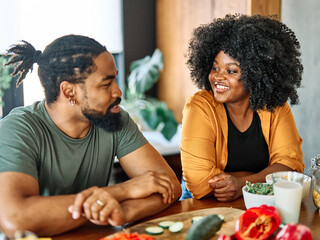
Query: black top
x,y
247,151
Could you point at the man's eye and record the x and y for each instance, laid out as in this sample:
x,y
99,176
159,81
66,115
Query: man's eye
x,y
214,69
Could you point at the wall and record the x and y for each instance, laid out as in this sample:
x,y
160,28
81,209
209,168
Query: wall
x,y
303,18
139,31
139,40
175,23
36,21
40,22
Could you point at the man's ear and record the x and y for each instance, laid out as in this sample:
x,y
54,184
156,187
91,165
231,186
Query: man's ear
x,y
67,90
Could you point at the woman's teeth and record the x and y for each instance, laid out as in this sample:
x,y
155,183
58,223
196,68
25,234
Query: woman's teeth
x,y
221,87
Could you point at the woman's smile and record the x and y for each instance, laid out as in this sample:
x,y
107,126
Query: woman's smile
x,y
220,87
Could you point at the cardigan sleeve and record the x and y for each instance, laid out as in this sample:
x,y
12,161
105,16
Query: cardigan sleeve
x,y
284,140
198,154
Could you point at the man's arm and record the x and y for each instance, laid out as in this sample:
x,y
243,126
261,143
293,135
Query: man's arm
x,y
21,207
153,187
136,164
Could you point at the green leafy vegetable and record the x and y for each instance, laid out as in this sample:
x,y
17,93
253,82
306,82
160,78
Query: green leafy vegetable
x,y
259,188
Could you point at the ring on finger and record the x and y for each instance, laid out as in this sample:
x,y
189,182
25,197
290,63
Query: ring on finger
x,y
99,202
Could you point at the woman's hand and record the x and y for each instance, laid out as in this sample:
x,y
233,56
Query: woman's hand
x,y
226,187
98,206
149,183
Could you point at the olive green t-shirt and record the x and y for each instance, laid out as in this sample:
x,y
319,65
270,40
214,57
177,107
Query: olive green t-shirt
x,y
31,143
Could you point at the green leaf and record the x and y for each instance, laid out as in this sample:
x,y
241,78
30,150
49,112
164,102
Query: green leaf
x,y
145,72
169,129
5,77
137,63
150,117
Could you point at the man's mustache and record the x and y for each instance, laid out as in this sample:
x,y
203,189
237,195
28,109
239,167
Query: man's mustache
x,y
116,102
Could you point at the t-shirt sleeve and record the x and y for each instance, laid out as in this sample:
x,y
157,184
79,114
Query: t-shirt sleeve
x,y
18,150
129,137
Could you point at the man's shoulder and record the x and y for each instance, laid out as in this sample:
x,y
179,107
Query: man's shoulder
x,y
26,115
34,109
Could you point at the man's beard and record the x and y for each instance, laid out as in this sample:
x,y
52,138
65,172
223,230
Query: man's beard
x,y
111,122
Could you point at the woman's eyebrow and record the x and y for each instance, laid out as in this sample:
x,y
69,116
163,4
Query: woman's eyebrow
x,y
231,63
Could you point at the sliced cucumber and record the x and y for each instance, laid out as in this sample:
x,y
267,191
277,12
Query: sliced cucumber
x,y
166,224
196,219
176,227
154,230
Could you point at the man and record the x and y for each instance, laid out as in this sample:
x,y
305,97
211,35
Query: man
x,y
56,155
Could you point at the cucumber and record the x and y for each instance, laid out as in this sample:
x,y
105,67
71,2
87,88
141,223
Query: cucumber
x,y
196,219
176,227
154,230
166,224
205,228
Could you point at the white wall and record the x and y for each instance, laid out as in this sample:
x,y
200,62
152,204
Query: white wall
x,y
303,18
41,21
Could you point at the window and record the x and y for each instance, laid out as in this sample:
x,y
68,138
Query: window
x,y
41,21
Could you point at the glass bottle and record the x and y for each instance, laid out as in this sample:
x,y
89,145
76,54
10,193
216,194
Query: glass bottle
x,y
315,164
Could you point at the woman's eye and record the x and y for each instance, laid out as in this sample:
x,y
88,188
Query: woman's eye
x,y
232,71
214,69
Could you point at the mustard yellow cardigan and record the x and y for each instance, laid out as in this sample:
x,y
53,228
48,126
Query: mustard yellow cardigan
x,y
204,139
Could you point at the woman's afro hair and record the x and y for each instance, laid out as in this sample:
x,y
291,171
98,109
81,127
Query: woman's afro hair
x,y
267,50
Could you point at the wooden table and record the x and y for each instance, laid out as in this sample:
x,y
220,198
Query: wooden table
x,y
309,216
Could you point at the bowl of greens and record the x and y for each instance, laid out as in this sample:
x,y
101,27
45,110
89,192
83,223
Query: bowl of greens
x,y
257,194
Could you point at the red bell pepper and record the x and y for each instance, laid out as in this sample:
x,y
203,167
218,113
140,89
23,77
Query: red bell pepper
x,y
128,236
257,223
294,232
225,237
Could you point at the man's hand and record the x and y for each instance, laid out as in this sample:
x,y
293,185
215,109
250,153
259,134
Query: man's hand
x,y
226,187
149,183
98,206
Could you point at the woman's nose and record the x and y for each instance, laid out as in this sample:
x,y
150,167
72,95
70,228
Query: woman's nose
x,y
219,75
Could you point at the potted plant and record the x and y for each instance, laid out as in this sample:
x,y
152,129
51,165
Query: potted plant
x,y
5,79
148,112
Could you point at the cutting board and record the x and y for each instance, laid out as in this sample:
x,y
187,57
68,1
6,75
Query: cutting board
x,y
228,227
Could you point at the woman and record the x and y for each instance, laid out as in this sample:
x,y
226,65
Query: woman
x,y
239,126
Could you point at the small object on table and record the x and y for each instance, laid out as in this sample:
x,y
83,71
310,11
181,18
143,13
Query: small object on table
x,y
154,230
258,223
166,224
196,219
205,228
294,232
287,198
316,181
176,227
128,236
